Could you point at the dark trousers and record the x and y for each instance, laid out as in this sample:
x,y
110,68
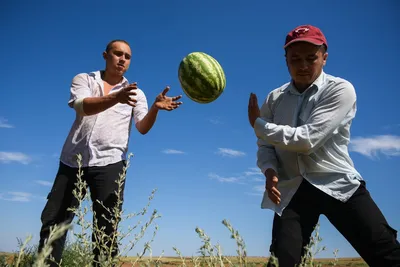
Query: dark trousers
x,y
102,184
359,220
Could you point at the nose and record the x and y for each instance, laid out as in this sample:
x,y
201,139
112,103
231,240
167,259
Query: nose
x,y
303,64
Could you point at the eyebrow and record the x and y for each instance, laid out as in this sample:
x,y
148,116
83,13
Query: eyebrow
x,y
119,51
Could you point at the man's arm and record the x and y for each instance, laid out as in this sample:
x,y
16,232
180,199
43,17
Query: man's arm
x,y
92,105
336,108
144,125
145,119
266,157
85,104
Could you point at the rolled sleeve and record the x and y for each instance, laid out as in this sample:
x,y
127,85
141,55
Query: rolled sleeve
x,y
79,88
141,108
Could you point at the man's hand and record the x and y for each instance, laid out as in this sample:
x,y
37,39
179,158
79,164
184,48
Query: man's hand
x,y
124,95
162,102
253,110
270,186
167,103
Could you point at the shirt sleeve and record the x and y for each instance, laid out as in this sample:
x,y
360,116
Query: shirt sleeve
x,y
79,88
266,157
333,110
141,108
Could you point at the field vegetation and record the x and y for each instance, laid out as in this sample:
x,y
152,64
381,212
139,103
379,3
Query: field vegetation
x,y
78,250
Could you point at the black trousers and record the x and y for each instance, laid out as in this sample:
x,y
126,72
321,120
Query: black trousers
x,y
359,220
102,184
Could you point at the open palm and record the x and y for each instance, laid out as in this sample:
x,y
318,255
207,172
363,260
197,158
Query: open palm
x,y
165,102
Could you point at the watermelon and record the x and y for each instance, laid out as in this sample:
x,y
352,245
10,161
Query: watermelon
x,y
201,77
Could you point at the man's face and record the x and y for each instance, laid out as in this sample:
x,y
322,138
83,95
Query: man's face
x,y
118,58
305,62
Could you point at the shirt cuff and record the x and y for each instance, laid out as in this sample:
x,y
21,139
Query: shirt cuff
x,y
265,167
259,126
78,106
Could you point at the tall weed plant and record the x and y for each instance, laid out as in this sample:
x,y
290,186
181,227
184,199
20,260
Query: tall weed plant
x,y
78,250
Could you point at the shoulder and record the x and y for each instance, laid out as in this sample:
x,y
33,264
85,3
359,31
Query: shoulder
x,y
83,78
276,93
337,85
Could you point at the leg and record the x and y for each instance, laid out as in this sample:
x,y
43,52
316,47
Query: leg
x,y
55,211
103,186
292,231
362,223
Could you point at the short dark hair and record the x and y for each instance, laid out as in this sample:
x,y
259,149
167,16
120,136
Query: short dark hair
x,y
109,45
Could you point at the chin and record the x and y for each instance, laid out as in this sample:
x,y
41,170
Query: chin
x,y
303,79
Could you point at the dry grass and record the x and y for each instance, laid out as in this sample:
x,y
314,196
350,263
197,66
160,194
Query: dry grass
x,y
79,251
253,261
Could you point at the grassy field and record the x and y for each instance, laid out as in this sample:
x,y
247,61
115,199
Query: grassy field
x,y
78,252
177,261
252,261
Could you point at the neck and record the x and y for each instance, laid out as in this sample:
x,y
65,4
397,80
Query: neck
x,y
110,78
301,87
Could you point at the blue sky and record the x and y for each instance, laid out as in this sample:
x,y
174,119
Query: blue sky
x,y
211,176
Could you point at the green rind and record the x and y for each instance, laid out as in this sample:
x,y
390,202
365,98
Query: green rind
x,y
201,77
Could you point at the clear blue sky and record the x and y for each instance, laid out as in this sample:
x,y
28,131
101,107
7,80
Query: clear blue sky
x,y
44,45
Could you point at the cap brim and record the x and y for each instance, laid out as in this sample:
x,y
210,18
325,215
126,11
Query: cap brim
x,y
307,40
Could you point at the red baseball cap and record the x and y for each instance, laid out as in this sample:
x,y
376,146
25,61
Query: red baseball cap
x,y
306,33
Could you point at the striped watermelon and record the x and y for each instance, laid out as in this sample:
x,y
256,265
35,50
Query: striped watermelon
x,y
201,77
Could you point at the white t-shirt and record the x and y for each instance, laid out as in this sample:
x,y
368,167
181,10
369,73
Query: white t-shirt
x,y
103,138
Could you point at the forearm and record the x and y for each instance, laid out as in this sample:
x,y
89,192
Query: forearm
x,y
303,139
148,121
94,105
334,110
266,156
283,136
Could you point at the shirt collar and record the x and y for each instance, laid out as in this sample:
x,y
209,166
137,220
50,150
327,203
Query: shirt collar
x,y
97,77
317,84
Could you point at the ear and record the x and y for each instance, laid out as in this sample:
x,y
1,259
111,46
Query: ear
x,y
325,57
105,55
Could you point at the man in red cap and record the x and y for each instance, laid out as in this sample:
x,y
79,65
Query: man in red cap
x,y
303,131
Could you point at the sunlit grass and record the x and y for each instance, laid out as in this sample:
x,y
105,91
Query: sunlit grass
x,y
78,252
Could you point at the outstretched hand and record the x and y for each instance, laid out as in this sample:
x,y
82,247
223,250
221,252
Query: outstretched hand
x,y
165,102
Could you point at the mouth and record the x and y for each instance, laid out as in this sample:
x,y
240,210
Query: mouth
x,y
120,66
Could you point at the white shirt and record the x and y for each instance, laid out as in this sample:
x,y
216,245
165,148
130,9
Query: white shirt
x,y
102,138
306,136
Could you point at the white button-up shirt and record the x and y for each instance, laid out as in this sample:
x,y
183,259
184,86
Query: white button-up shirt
x,y
306,136
102,138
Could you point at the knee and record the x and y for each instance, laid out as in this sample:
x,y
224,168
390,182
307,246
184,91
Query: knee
x,y
287,252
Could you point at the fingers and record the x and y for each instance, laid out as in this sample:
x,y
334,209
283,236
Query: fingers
x,y
132,86
131,93
253,100
165,91
171,106
131,103
174,105
272,194
271,187
176,97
